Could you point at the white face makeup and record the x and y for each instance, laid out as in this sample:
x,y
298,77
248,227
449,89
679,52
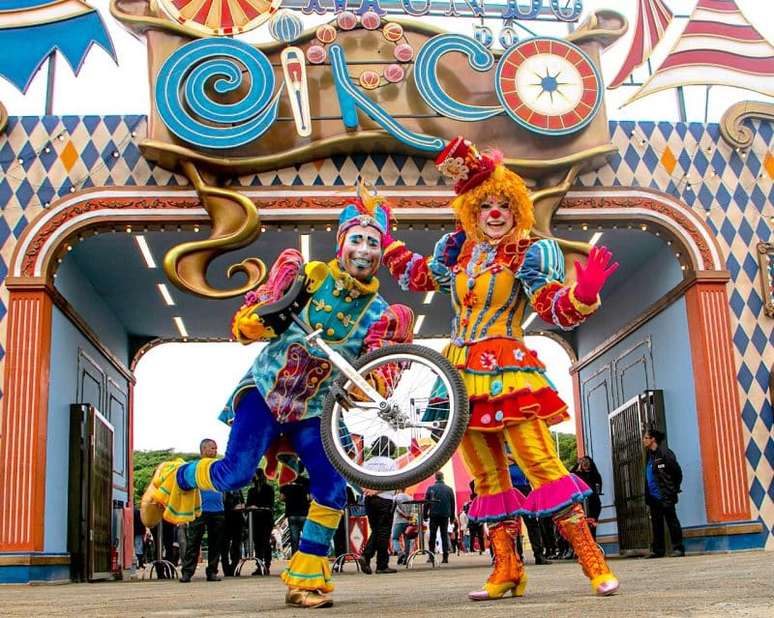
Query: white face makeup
x,y
495,219
361,252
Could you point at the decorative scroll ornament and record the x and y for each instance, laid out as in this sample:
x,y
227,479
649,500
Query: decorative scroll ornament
x,y
220,17
719,46
732,122
185,103
653,18
235,224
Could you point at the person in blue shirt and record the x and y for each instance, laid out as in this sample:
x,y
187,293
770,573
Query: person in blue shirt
x,y
212,520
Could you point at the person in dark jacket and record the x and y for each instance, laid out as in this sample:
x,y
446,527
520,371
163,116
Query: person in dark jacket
x,y
261,496
587,470
663,477
520,482
231,541
441,507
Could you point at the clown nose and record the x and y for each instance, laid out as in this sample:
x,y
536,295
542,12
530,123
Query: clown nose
x,y
495,214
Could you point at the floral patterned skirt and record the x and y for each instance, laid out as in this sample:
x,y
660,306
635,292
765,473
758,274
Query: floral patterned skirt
x,y
506,384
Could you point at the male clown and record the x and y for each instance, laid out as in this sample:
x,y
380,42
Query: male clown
x,y
282,395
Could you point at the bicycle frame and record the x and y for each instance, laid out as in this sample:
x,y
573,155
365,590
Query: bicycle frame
x,y
314,337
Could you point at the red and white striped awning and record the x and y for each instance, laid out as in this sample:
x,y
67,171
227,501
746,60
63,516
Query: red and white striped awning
x,y
719,46
653,17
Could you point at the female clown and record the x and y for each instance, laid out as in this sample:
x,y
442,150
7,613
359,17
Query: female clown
x,y
281,396
493,269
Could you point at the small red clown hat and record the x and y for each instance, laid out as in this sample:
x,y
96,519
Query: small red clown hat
x,y
461,162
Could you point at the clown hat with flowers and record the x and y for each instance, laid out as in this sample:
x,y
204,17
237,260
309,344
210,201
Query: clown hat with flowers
x,y
479,175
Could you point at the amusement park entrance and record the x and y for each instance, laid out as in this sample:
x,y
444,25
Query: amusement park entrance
x,y
88,286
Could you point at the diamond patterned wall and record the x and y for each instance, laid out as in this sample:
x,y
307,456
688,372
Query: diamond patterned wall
x,y
43,158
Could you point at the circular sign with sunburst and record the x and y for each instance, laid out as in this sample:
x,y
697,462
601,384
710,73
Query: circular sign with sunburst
x,y
220,17
549,86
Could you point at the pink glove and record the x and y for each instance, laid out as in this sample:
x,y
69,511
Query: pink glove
x,y
591,278
288,265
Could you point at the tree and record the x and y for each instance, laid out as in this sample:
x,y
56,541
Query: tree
x,y
568,449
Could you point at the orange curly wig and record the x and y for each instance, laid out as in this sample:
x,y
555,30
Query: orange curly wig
x,y
503,183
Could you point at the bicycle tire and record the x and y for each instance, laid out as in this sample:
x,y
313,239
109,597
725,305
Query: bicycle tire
x,y
443,450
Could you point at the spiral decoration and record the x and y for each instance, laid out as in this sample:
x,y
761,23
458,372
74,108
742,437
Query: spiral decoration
x,y
185,102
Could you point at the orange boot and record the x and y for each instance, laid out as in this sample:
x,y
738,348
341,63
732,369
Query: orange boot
x,y
574,527
508,574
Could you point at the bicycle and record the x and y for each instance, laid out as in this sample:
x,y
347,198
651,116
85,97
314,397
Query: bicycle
x,y
406,400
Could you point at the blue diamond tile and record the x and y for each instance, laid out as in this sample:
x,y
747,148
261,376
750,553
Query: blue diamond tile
x,y
758,198
765,130
705,197
723,196
684,160
762,230
741,197
89,154
744,376
24,193
91,123
736,302
736,163
631,157
750,266
768,452
753,454
50,123
757,493
650,159
758,339
754,302
112,122
767,415
741,340
6,193
647,127
749,415
762,377
7,155
131,155
46,192
727,231
753,163
71,123
5,231
745,231
700,163
21,224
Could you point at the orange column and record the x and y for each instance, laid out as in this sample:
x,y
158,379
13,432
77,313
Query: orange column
x,y
717,402
579,437
23,424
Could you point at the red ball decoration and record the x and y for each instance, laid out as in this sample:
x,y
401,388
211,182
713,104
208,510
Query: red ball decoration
x,y
346,20
370,20
403,52
326,34
392,32
394,73
369,80
316,54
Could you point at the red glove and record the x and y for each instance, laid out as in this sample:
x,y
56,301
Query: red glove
x,y
591,278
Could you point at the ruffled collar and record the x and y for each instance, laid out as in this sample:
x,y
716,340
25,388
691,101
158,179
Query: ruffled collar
x,y
344,281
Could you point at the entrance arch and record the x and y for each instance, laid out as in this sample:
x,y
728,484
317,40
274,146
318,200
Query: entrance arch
x,y
33,298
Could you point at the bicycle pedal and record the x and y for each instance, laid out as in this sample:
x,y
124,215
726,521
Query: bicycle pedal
x,y
341,397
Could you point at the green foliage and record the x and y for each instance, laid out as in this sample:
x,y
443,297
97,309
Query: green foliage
x,y
145,463
568,449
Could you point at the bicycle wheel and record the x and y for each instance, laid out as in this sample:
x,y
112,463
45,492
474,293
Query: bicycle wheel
x,y
413,436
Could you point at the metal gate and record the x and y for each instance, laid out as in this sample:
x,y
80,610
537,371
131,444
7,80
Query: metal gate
x,y
90,516
627,426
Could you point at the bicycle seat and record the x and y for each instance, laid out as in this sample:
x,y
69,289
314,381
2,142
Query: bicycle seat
x,y
278,315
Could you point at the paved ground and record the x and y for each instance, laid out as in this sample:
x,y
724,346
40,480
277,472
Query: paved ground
x,y
739,584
